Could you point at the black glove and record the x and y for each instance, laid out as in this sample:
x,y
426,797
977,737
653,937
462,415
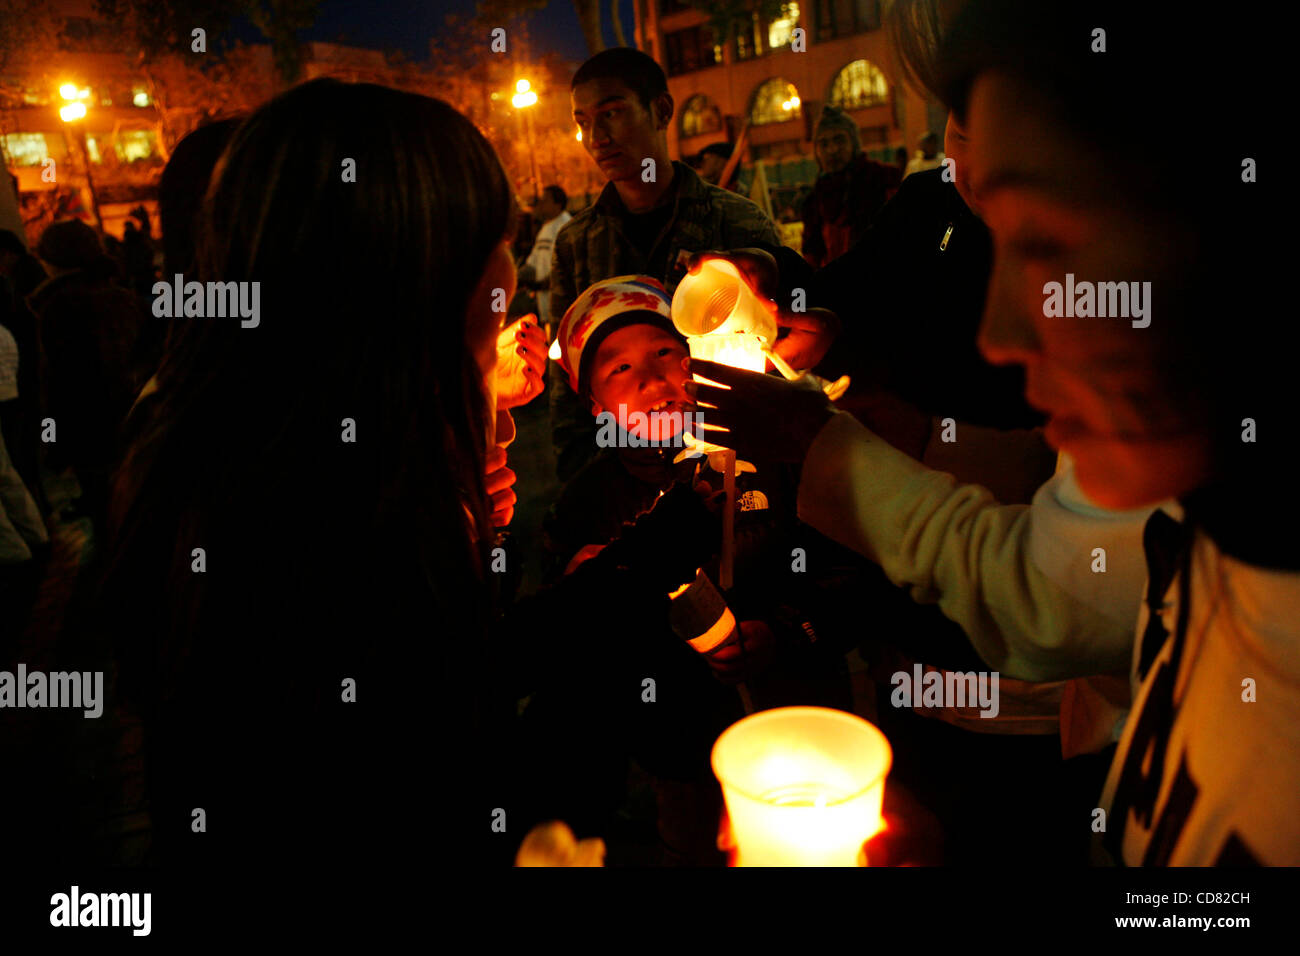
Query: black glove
x,y
766,417
670,542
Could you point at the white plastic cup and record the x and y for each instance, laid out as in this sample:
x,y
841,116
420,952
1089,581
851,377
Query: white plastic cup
x,y
716,299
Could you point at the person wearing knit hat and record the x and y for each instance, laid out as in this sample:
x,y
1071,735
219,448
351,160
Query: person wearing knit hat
x,y
834,120
848,194
621,352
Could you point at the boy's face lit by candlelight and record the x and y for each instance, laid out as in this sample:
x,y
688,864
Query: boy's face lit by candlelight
x,y
640,367
1130,415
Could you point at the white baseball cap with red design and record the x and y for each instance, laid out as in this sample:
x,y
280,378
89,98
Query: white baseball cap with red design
x,y
602,308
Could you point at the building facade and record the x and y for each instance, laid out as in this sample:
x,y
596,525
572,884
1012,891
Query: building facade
x,y
778,80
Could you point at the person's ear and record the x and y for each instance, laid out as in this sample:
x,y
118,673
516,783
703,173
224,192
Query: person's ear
x,y
662,107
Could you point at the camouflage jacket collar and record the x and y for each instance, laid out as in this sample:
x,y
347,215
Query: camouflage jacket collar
x,y
688,189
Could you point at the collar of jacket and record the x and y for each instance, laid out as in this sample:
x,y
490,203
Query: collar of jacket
x,y
687,189
562,218
653,465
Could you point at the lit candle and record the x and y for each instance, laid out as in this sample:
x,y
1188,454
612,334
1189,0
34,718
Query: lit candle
x,y
739,350
803,786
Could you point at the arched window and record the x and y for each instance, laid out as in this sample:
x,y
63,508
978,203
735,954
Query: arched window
x,y
700,115
775,101
858,85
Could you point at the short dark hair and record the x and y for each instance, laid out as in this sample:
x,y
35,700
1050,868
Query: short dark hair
x,y
717,149
915,29
637,70
557,194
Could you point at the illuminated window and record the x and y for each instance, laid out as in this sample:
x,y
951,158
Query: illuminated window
x,y
776,101
92,147
140,98
135,144
779,30
26,149
700,115
858,85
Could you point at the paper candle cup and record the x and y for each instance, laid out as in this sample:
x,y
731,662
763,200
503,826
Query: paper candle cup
x,y
803,785
699,615
717,299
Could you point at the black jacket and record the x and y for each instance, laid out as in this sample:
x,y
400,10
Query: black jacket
x,y
910,297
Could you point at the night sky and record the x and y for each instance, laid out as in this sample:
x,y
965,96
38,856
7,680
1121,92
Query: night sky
x,y
408,24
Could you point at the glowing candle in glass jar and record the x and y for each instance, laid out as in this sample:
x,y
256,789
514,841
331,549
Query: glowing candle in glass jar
x,y
803,785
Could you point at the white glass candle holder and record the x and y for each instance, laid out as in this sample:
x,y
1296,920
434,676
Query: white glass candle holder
x,y
803,785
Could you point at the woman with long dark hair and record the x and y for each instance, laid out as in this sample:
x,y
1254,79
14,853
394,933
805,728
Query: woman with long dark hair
x,y
299,582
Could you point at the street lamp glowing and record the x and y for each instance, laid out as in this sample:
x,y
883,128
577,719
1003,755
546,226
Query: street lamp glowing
x,y
72,112
68,91
523,86
521,100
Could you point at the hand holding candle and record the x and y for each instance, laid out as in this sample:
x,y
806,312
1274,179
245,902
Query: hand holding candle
x,y
808,335
521,363
499,480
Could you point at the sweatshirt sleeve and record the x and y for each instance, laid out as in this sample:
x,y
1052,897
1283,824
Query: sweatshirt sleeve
x,y
954,545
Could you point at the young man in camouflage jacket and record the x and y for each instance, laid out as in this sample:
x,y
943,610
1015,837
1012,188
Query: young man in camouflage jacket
x,y
652,215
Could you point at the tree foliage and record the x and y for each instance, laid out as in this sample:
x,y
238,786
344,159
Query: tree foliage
x,y
160,27
280,21
29,36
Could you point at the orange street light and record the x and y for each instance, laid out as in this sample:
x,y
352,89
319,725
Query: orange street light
x,y
525,96
74,112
